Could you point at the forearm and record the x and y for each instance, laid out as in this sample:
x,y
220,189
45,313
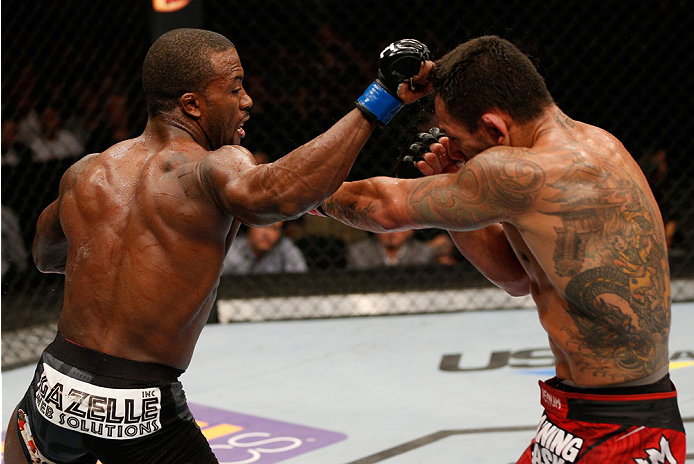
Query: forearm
x,y
490,252
371,204
50,244
283,190
314,171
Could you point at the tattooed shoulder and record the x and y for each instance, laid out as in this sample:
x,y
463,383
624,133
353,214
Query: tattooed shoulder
x,y
174,161
563,120
77,170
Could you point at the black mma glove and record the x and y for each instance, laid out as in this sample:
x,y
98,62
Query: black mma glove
x,y
398,62
406,167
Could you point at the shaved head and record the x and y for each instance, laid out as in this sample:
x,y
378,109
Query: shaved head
x,y
179,62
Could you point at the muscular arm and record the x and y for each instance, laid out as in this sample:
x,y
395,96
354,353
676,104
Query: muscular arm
x,y
490,252
497,186
263,194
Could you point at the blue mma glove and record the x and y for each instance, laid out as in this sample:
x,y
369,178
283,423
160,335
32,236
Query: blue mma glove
x,y
398,62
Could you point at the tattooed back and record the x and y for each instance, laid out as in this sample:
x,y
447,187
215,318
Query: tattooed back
x,y
592,242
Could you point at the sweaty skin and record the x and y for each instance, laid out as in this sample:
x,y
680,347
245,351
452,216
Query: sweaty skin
x,y
141,230
585,233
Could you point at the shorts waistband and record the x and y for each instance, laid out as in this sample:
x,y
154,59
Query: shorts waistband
x,y
629,406
102,364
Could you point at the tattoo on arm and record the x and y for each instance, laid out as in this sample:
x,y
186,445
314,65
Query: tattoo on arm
x,y
353,213
501,184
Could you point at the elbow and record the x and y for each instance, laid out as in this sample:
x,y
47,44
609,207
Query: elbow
x,y
50,264
49,268
389,224
517,287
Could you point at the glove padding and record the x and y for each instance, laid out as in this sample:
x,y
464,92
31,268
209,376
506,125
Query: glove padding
x,y
399,62
406,167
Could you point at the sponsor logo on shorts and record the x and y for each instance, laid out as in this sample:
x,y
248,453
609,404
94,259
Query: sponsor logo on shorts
x,y
28,439
550,400
658,456
554,445
114,413
240,438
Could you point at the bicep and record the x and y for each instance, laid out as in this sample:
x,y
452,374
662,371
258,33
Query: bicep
x,y
48,223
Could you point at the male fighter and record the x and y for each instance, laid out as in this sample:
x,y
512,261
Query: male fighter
x,y
546,205
140,232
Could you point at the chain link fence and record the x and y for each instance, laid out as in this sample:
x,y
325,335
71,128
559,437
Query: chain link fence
x,y
71,86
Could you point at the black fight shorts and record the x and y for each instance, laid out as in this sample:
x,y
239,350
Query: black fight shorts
x,y
84,405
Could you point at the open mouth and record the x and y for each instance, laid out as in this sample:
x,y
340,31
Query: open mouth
x,y
240,130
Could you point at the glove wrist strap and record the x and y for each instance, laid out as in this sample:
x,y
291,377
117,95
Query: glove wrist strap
x,y
318,211
377,101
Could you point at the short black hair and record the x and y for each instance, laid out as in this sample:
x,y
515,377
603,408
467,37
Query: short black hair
x,y
489,72
179,62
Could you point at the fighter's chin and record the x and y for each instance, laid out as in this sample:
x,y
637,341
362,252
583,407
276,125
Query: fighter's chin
x,y
238,135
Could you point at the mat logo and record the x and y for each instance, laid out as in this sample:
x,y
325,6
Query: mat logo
x,y
554,445
242,439
534,358
658,456
252,451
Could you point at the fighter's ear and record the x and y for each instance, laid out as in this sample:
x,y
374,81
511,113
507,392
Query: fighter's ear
x,y
192,104
496,127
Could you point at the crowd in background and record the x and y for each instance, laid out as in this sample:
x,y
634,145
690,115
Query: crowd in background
x,y
298,92
48,124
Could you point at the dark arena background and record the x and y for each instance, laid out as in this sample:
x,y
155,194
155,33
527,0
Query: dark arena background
x,y
74,66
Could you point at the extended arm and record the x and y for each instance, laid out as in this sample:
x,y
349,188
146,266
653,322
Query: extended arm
x,y
470,204
497,185
263,194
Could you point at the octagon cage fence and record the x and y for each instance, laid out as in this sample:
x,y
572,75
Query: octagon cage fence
x,y
71,86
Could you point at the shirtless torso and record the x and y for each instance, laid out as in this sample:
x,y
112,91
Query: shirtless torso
x,y
585,233
149,221
150,241
593,246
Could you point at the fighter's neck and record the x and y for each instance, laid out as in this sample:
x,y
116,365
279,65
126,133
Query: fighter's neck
x,y
164,129
537,131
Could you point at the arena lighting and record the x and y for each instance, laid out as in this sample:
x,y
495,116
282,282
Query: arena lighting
x,y
169,6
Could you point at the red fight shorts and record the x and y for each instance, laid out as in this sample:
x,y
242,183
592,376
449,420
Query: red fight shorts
x,y
634,425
